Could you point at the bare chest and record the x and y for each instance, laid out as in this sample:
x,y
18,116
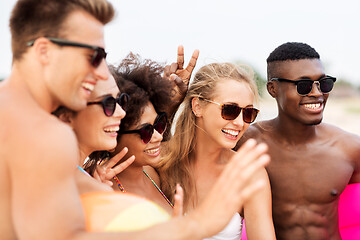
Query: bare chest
x,y
312,174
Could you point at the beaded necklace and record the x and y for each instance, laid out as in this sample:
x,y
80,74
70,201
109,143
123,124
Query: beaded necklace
x,y
147,175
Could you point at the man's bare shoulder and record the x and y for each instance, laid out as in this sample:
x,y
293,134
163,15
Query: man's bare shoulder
x,y
258,131
30,137
348,141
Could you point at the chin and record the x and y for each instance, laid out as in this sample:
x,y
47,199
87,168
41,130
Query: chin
x,y
109,146
229,145
314,122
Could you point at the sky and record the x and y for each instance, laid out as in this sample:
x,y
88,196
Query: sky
x,y
226,30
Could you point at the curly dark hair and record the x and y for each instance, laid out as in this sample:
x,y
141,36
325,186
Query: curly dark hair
x,y
292,51
142,80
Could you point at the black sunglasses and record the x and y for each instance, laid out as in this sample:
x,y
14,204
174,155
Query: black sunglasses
x,y
109,103
231,111
304,86
147,130
97,57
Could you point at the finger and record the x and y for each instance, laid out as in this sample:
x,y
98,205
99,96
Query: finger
x,y
251,153
115,159
173,67
122,166
183,86
166,74
178,201
248,160
251,189
108,182
180,57
96,176
190,67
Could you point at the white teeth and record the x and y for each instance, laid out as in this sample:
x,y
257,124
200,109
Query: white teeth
x,y
112,129
312,105
152,151
88,86
231,132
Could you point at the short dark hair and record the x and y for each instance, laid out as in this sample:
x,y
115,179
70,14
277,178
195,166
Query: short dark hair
x,y
142,80
290,51
31,19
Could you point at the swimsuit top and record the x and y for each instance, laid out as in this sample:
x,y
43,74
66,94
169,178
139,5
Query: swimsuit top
x,y
232,231
116,212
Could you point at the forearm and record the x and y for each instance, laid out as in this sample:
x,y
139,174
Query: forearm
x,y
181,228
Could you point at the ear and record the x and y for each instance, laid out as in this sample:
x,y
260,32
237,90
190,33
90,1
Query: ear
x,y
43,50
196,107
272,88
67,117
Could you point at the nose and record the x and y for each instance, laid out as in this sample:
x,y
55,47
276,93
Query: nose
x,y
119,112
239,121
315,91
102,72
156,137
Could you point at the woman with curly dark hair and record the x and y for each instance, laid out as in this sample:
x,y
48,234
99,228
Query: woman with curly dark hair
x,y
142,129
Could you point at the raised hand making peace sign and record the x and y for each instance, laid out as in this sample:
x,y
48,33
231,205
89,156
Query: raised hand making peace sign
x,y
180,77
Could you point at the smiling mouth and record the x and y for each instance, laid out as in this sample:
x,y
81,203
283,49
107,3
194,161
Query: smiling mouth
x,y
313,106
230,133
152,151
88,86
114,129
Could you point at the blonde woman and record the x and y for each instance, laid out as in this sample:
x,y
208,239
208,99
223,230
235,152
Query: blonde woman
x,y
217,109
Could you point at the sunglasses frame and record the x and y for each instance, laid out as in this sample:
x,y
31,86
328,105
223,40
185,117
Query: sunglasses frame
x,y
296,82
222,105
99,52
119,100
153,127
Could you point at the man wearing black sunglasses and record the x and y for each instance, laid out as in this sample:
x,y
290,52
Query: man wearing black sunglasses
x,y
311,162
58,56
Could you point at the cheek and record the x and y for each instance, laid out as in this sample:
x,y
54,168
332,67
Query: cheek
x,y
133,143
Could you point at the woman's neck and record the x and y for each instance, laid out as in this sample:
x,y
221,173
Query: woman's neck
x,y
206,150
132,175
84,153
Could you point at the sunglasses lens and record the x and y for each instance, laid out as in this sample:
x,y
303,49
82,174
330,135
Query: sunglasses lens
x,y
304,87
109,106
326,85
146,133
98,56
160,125
249,114
123,101
230,111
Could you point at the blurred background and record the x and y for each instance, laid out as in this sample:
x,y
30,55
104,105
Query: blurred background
x,y
236,31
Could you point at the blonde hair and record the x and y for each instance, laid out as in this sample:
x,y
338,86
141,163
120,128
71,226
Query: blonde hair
x,y
175,166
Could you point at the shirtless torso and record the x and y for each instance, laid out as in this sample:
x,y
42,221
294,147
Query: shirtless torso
x,y
307,178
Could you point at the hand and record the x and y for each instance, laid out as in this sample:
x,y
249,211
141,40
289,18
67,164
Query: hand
x,y
179,76
178,201
106,171
233,187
